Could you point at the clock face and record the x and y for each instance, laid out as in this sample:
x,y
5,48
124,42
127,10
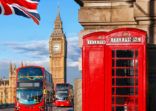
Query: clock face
x,y
56,47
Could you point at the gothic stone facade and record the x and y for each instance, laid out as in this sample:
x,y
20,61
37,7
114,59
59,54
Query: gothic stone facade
x,y
7,87
57,49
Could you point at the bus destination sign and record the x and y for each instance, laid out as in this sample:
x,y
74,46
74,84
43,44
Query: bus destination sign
x,y
29,85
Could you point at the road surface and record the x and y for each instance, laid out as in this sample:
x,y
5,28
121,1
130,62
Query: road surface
x,y
54,109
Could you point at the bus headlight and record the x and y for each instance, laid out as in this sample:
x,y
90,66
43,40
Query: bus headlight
x,y
67,102
17,108
41,108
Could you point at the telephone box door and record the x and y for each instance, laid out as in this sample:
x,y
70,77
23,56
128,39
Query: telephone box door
x,y
127,79
94,78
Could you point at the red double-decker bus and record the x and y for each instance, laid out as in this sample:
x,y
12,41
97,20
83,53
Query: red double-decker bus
x,y
63,95
34,91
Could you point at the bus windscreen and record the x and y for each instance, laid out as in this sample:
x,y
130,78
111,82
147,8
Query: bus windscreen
x,y
30,73
62,87
29,96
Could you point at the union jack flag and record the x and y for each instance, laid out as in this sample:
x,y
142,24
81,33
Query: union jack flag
x,y
26,8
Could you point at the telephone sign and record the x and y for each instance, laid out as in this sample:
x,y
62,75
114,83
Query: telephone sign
x,y
126,39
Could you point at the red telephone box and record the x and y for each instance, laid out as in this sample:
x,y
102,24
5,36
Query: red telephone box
x,y
114,71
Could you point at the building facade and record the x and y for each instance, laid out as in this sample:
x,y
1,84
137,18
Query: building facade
x,y
8,87
107,15
57,50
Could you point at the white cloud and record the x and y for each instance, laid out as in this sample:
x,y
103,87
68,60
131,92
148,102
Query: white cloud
x,y
37,53
4,66
37,49
73,52
41,62
40,51
72,63
73,48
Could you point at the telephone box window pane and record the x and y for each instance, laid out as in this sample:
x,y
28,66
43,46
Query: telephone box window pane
x,y
113,53
136,63
126,81
120,100
113,100
136,54
126,108
113,82
125,91
124,63
120,108
125,72
113,73
130,106
113,64
113,91
125,53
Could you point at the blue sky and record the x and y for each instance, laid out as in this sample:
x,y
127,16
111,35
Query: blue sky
x,y
22,40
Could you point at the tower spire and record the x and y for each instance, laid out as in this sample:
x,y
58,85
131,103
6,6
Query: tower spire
x,y
14,66
58,21
22,65
11,68
58,8
58,29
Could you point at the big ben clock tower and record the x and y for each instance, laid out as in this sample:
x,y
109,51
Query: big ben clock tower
x,y
57,49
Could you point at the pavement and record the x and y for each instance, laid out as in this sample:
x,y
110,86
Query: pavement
x,y
62,109
54,109
7,109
